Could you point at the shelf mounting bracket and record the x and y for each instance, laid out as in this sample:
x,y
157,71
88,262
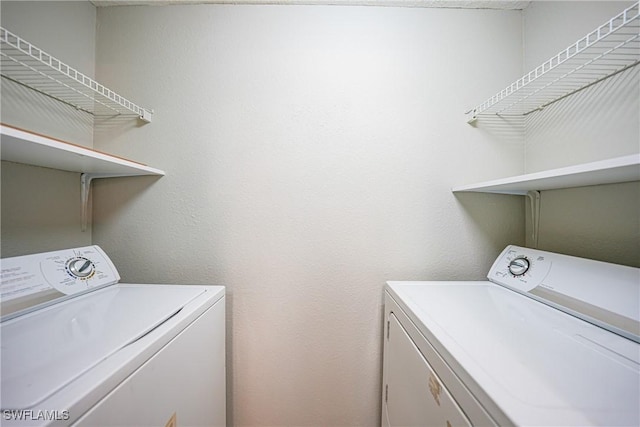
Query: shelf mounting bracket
x,y
534,202
85,189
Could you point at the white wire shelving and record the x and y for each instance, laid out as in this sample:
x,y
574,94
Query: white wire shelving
x,y
610,49
30,66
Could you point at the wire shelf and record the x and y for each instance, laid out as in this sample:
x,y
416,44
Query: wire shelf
x,y
608,50
29,66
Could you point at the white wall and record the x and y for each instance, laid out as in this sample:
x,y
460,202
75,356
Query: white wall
x,y
598,123
309,153
41,207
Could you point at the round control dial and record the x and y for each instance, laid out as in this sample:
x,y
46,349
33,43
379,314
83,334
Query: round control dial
x,y
80,267
518,266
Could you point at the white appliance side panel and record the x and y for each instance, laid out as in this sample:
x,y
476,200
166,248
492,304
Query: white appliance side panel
x,y
414,394
185,380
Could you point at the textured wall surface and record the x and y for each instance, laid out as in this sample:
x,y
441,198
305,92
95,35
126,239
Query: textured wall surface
x,y
310,153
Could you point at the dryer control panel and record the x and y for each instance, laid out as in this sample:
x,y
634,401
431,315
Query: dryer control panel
x,y
520,268
602,293
33,279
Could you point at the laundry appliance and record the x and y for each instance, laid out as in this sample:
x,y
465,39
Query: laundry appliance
x,y
79,348
548,340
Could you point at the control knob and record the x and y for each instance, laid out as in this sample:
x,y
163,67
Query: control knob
x,y
518,266
80,267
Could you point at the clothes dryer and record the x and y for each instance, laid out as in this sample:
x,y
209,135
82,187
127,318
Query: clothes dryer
x,y
549,340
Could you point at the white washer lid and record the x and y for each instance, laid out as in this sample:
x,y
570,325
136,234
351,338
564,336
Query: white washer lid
x,y
539,365
48,349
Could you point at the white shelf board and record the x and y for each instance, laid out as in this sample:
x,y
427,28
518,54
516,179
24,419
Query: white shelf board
x,y
610,171
20,146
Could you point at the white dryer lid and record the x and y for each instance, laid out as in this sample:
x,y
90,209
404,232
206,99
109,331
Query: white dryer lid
x,y
45,350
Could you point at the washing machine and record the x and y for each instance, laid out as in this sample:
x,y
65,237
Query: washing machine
x,y
547,340
79,348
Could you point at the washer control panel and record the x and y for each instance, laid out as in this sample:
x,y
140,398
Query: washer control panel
x,y
67,272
